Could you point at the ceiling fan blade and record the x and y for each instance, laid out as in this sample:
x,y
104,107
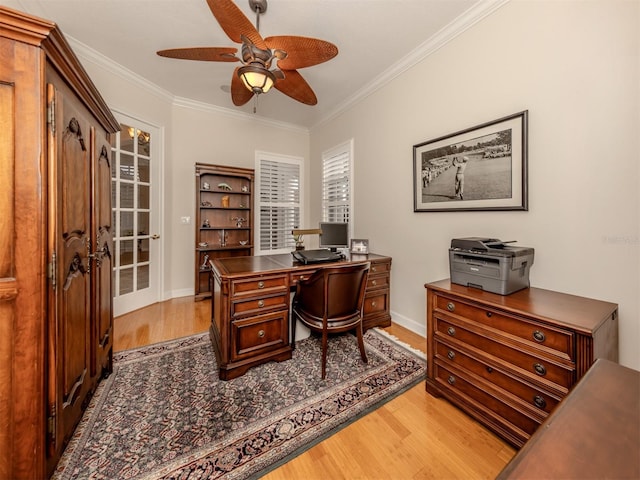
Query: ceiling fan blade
x,y
209,54
296,87
239,93
234,22
301,51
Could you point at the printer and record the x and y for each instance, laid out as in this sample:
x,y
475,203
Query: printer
x,y
489,264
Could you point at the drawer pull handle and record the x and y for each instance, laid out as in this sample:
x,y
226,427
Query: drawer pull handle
x,y
539,336
374,304
451,380
261,333
539,402
451,306
260,303
490,369
373,269
451,331
260,284
374,283
540,369
489,314
451,354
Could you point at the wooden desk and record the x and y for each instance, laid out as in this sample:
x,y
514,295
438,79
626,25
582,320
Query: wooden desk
x,y
250,306
594,432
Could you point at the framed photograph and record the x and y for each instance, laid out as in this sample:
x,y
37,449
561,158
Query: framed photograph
x,y
360,245
479,168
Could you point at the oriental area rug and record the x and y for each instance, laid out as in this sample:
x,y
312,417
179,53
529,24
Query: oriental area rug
x,y
164,414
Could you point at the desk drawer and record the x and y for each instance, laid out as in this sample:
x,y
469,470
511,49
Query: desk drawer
x,y
535,333
378,281
376,302
254,335
537,368
297,276
259,285
380,267
259,305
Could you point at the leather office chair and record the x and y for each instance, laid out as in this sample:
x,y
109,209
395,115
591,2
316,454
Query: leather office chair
x,y
330,301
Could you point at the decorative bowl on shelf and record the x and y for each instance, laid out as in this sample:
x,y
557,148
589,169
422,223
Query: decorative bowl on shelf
x,y
203,244
243,242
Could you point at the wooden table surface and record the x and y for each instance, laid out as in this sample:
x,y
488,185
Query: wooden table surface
x,y
593,433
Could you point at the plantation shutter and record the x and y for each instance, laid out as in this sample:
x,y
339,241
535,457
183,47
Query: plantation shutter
x,y
279,202
336,184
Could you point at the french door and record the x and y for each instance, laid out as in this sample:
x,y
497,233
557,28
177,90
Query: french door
x,y
135,176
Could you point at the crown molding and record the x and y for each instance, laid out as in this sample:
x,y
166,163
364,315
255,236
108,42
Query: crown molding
x,y
87,53
462,23
207,107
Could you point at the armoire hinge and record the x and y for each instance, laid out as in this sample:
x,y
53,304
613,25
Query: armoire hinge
x,y
52,270
51,115
51,424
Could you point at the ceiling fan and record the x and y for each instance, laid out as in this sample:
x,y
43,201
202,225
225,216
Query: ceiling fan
x,y
256,75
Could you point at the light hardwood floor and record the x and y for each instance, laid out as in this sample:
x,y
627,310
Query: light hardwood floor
x,y
414,436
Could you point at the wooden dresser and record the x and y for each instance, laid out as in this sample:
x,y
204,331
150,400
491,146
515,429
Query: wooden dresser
x,y
250,306
509,360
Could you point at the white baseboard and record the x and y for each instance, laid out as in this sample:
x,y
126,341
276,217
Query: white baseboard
x,y
185,292
409,324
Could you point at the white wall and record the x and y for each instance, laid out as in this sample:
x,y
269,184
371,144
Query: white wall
x,y
574,66
205,136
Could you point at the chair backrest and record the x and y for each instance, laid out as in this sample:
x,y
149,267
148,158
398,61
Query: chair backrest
x,y
333,293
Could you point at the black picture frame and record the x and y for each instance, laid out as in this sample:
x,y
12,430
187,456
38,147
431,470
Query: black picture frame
x,y
478,168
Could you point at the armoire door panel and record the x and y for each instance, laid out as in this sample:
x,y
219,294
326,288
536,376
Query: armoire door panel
x,y
8,283
103,272
71,183
73,330
75,170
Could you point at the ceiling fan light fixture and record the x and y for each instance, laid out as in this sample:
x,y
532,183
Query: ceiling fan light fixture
x,y
257,79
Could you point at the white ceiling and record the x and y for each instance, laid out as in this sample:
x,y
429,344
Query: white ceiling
x,y
377,39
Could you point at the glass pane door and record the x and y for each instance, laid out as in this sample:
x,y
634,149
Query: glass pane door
x,y
136,236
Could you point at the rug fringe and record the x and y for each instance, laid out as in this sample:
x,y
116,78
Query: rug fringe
x,y
399,342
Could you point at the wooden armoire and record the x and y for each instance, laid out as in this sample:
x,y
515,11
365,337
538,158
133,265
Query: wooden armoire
x,y
55,243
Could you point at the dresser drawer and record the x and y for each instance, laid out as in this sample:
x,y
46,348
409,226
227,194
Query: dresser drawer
x,y
559,342
535,398
252,336
487,402
259,285
259,305
546,371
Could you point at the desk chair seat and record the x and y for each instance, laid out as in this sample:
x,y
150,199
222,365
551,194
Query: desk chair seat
x,y
330,301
